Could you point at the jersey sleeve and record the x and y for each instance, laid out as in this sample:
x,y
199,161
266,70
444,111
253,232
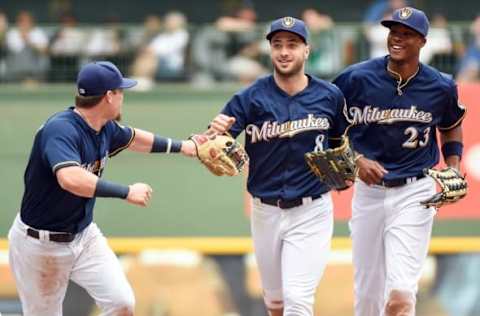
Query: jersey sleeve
x,y
454,112
342,81
60,145
340,122
237,107
120,137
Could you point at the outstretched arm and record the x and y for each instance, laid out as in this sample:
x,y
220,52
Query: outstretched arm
x,y
148,142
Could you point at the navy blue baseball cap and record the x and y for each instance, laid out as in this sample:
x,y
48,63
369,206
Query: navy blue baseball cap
x,y
288,24
98,77
410,17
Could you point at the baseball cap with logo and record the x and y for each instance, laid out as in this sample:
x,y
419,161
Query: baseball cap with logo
x,y
410,17
288,24
97,78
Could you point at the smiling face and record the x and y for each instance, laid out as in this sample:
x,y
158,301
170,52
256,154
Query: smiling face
x,y
404,43
288,53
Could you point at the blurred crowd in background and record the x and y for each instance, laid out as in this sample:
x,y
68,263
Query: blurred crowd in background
x,y
169,48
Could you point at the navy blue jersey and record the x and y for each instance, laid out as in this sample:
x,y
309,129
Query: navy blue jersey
x,y
280,129
66,140
398,129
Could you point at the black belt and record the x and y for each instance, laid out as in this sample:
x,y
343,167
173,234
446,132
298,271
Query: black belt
x,y
402,181
286,204
57,237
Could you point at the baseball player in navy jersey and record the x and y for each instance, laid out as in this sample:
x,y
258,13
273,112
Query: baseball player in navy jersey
x,y
285,115
396,105
53,238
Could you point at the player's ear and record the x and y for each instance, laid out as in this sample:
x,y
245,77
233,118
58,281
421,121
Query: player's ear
x,y
307,51
424,41
109,96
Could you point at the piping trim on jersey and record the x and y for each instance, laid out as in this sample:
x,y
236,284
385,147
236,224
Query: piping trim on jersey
x,y
126,146
64,164
400,86
445,129
169,145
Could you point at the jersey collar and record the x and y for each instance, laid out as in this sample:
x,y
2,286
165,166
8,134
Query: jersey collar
x,y
401,83
283,93
83,123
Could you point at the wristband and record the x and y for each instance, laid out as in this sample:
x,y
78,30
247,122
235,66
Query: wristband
x,y
452,148
106,188
165,145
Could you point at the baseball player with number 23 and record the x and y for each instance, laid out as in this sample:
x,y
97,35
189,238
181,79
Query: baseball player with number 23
x,y
395,105
53,238
285,116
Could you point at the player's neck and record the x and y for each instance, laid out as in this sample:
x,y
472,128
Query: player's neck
x,y
291,84
403,69
92,119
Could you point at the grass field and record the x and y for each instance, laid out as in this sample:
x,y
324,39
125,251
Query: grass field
x,y
187,200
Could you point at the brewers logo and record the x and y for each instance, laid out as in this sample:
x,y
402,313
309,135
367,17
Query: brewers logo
x,y
288,22
405,13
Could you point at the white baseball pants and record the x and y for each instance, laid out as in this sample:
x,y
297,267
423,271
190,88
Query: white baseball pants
x,y
291,248
390,232
42,269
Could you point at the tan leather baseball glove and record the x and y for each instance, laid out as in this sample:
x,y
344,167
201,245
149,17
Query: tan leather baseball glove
x,y
221,154
334,166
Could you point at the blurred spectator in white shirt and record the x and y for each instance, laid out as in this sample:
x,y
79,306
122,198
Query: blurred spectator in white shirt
x,y
140,38
164,56
69,39
105,41
230,49
376,35
326,46
439,40
26,50
66,48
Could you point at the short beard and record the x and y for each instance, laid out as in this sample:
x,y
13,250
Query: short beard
x,y
119,117
296,69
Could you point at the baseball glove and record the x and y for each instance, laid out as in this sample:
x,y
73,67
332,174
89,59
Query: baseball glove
x,y
453,187
221,154
334,166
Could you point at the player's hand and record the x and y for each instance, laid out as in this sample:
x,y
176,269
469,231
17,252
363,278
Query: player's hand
x,y
188,148
139,194
370,171
221,124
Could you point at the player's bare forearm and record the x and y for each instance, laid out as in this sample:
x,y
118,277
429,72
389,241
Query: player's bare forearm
x,y
80,182
453,135
142,142
77,180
